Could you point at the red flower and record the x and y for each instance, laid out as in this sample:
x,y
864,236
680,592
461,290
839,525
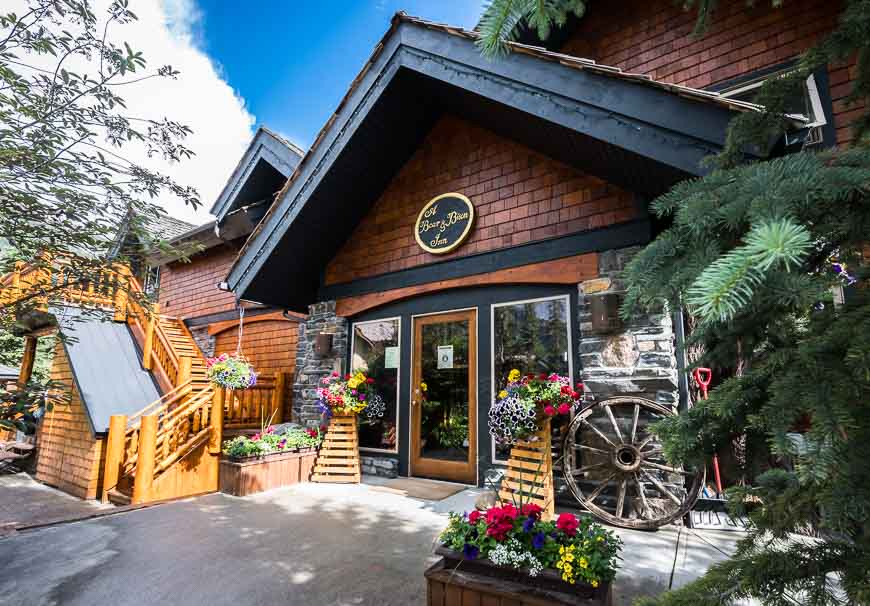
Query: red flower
x,y
549,411
542,376
566,390
530,376
580,386
532,510
500,521
370,380
567,523
564,408
474,517
334,373
347,377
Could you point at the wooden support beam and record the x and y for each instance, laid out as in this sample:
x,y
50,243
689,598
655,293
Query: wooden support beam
x,y
114,453
145,459
278,397
122,292
217,421
185,364
27,360
150,326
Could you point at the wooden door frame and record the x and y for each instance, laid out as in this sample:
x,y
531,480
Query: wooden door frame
x,y
466,473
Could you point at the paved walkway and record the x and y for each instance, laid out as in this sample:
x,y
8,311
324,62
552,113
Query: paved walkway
x,y
315,544
25,502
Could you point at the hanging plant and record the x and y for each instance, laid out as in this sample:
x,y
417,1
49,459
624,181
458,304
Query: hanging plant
x,y
231,371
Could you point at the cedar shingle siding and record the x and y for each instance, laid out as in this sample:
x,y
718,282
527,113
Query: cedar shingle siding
x,y
654,37
189,290
70,456
519,196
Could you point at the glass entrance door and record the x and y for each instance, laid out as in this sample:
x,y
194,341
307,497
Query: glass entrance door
x,y
444,397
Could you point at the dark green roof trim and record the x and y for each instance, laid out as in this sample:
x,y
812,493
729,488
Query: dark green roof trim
x,y
642,136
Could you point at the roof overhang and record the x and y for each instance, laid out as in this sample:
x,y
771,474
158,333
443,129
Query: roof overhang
x,y
251,180
641,135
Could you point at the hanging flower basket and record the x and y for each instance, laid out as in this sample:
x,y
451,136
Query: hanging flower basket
x,y
231,371
350,395
528,400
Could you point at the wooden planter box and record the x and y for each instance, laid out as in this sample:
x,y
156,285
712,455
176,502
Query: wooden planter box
x,y
241,477
454,581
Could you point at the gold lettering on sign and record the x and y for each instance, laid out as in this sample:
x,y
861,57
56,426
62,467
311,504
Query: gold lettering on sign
x,y
432,225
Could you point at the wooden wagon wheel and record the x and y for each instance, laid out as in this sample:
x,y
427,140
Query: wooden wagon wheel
x,y
615,467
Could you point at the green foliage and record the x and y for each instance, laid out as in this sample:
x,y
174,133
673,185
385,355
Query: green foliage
x,y
750,252
501,20
269,442
12,350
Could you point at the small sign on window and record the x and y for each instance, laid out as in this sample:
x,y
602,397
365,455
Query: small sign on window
x,y
391,357
445,357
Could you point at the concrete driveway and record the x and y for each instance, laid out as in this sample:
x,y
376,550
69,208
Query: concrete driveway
x,y
315,544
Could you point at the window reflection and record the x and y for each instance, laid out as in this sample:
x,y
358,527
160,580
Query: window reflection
x,y
376,353
531,337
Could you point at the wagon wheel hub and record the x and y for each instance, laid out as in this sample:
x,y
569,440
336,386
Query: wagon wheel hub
x,y
615,466
627,458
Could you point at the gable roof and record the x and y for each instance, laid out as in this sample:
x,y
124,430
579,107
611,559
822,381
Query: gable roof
x,y
267,152
630,130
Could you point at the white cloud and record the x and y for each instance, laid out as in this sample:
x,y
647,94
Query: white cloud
x,y
167,32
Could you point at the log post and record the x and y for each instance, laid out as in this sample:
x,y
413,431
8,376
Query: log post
x,y
122,292
27,360
217,421
114,453
278,397
150,325
185,364
145,460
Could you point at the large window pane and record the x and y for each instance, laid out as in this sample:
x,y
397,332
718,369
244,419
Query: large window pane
x,y
531,337
376,353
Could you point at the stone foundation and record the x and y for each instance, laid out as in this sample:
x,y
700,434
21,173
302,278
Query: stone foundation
x,y
203,340
637,359
380,466
310,367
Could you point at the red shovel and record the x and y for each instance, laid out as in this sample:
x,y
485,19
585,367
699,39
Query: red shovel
x,y
703,376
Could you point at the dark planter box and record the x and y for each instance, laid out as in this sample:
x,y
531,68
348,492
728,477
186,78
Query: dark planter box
x,y
456,581
241,477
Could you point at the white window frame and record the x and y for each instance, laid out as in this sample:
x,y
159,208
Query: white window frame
x,y
398,378
817,119
569,320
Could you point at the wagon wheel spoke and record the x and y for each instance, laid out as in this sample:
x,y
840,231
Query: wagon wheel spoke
x,y
667,468
662,488
594,494
648,439
591,449
642,493
634,422
586,468
614,423
620,499
597,431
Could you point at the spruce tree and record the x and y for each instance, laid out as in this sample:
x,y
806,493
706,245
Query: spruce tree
x,y
759,255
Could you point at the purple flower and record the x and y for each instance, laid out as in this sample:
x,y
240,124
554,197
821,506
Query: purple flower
x,y
538,540
528,524
470,551
362,397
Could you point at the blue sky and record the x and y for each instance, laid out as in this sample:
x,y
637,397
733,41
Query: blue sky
x,y
293,61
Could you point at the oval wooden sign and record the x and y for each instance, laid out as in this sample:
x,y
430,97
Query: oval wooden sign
x,y
444,223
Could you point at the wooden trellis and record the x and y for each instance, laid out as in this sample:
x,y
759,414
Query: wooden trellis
x,y
529,474
338,460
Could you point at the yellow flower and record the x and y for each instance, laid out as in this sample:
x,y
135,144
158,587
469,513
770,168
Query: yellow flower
x,y
513,375
502,394
583,563
599,539
423,386
594,583
561,549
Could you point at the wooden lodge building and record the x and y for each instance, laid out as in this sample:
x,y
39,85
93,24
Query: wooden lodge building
x,y
458,217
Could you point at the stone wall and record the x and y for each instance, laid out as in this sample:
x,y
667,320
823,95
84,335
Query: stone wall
x,y
637,359
379,466
203,340
310,367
